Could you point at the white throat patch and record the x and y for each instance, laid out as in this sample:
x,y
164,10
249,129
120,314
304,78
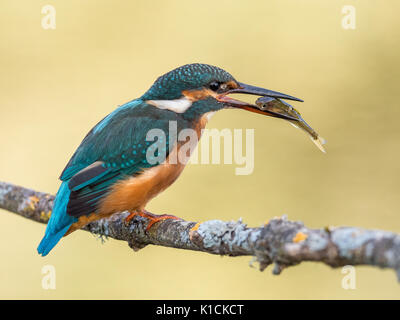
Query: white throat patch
x,y
178,105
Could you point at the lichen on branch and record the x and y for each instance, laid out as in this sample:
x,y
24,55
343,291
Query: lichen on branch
x,y
280,242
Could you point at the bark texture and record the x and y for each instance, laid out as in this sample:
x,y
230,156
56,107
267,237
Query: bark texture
x,y
280,242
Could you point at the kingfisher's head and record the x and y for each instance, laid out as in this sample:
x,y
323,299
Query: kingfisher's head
x,y
196,89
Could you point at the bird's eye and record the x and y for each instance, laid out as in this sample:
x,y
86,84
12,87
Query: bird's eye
x,y
214,86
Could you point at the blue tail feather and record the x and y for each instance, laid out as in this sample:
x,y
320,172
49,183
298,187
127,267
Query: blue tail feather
x,y
50,240
59,222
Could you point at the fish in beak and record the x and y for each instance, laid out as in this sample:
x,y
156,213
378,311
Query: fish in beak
x,y
271,104
253,90
279,106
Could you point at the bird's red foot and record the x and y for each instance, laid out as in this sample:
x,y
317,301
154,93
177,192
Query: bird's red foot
x,y
152,217
155,218
130,217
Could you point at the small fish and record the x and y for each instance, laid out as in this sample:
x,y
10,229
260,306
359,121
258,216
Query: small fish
x,y
279,106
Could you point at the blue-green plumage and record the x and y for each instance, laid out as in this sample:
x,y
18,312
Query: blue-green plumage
x,y
116,149
118,144
187,77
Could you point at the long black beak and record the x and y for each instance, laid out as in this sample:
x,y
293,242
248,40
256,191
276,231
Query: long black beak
x,y
248,89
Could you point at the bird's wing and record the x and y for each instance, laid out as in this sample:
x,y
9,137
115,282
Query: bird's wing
x,y
115,148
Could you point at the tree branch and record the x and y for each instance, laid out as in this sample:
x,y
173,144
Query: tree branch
x,y
281,242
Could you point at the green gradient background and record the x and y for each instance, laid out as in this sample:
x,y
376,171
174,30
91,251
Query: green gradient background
x,y
56,84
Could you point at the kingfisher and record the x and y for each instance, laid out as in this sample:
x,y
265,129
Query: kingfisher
x,y
113,171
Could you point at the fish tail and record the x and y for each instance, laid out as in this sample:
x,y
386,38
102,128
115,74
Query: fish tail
x,y
319,142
